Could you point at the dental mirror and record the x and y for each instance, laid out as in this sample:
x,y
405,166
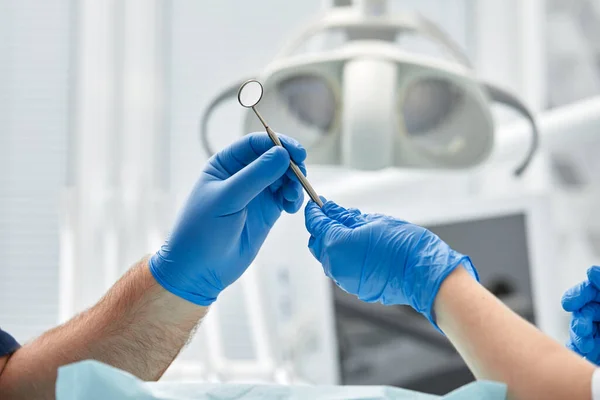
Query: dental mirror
x,y
249,95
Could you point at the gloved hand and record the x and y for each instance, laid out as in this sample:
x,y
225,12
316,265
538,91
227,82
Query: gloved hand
x,y
380,258
234,204
583,300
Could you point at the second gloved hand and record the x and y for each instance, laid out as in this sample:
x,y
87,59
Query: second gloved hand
x,y
583,301
239,196
380,258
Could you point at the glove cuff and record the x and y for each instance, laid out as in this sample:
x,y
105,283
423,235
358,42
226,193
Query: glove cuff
x,y
461,259
155,264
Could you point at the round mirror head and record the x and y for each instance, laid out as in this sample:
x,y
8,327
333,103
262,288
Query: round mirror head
x,y
250,93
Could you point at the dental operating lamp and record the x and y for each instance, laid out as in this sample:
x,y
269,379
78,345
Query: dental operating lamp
x,y
365,102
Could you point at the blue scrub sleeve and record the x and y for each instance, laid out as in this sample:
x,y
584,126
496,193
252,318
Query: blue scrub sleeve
x,y
8,344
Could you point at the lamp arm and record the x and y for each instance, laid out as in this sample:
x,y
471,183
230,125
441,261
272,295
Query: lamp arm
x,y
502,96
230,91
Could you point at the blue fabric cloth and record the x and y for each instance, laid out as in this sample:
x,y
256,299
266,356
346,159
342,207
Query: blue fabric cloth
x,y
8,344
92,380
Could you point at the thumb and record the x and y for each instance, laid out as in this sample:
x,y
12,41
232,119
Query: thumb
x,y
317,222
249,182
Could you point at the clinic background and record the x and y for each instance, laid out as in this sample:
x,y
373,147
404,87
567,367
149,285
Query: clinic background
x,y
100,103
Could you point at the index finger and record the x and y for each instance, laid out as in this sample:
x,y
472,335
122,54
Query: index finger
x,y
253,145
579,295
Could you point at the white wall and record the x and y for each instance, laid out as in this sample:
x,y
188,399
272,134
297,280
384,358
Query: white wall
x,y
34,56
213,46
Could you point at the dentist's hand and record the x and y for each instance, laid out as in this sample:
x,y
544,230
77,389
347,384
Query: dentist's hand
x,y
583,300
380,258
234,204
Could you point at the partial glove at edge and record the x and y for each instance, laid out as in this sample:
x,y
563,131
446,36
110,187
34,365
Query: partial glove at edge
x,y
583,301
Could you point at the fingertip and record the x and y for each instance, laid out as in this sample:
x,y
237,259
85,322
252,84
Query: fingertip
x,y
279,158
316,221
303,169
333,210
292,175
567,302
330,206
576,297
311,210
288,207
327,205
280,153
290,141
310,205
292,190
293,206
300,155
297,151
259,142
593,274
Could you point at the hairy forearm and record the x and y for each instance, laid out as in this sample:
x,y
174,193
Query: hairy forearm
x,y
137,326
499,345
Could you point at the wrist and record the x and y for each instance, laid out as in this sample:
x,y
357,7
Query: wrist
x,y
464,269
139,289
169,308
457,262
157,267
137,300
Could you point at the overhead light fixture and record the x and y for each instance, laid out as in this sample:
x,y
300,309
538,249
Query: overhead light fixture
x,y
365,102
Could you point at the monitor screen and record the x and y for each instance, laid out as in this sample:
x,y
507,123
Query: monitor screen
x,y
393,345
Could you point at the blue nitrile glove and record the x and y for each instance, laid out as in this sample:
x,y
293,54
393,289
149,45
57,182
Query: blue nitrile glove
x,y
583,300
234,204
380,258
